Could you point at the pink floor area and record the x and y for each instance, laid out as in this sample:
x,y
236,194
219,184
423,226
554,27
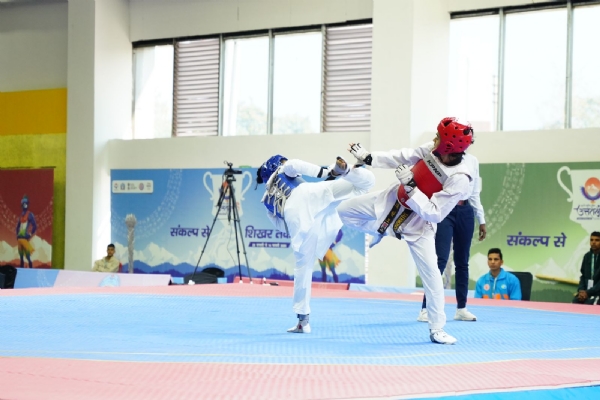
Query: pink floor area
x,y
22,378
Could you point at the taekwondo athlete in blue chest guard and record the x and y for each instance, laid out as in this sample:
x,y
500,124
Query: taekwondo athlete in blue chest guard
x,y
307,212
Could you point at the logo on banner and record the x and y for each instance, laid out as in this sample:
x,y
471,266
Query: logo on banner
x,y
136,186
583,193
591,189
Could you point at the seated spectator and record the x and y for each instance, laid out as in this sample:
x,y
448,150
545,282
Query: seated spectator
x,y
108,263
588,291
497,284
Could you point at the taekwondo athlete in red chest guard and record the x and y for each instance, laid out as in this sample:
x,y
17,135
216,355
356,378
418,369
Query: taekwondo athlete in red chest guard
x,y
431,180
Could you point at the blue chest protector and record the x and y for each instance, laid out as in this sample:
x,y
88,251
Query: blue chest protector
x,y
278,191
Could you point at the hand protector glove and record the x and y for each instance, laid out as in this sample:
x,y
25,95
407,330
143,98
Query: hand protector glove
x,y
339,168
362,155
405,176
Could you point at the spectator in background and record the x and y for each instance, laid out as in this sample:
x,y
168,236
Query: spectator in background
x,y
108,263
588,291
458,228
497,284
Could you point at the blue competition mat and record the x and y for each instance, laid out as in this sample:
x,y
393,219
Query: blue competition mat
x,y
160,328
575,393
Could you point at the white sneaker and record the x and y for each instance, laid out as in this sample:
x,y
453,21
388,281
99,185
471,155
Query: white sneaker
x,y
423,316
301,327
441,337
462,314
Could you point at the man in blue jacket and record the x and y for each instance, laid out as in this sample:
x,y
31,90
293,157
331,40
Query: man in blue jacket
x,y
497,284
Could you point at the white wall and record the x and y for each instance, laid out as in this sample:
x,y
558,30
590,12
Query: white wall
x,y
158,19
210,152
99,104
561,145
33,46
80,135
391,119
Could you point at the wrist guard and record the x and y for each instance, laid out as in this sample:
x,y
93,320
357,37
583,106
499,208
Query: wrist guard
x,y
408,187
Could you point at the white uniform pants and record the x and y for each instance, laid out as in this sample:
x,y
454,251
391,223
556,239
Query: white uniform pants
x,y
359,213
423,253
324,228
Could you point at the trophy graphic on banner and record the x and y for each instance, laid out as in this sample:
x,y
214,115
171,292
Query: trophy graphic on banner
x,y
585,195
214,188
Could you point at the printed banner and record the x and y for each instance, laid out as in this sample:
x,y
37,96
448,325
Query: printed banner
x,y
169,230
541,217
26,209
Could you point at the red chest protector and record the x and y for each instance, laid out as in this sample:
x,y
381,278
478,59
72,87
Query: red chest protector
x,y
428,176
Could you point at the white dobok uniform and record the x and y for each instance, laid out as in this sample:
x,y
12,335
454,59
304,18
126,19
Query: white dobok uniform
x,y
368,212
312,220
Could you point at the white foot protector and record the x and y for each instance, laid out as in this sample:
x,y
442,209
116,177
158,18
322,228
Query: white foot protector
x,y
300,327
441,337
423,317
462,314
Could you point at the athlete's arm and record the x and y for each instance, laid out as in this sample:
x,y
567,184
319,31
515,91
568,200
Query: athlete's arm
x,y
393,158
441,203
294,168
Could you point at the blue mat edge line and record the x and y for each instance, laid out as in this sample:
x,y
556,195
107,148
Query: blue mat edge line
x,y
580,391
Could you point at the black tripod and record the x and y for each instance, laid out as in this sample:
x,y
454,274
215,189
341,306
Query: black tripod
x,y
232,210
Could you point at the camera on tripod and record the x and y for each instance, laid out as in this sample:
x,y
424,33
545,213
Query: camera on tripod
x,y
230,171
227,197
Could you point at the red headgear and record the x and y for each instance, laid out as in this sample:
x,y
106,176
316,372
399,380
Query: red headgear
x,y
454,136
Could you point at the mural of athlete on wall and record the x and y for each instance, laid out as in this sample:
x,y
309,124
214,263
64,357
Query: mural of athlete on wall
x,y
330,260
26,228
26,215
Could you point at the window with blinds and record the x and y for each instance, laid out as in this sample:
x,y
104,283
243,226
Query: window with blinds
x,y
302,80
347,79
196,88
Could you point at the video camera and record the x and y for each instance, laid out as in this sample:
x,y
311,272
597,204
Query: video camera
x,y
230,170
